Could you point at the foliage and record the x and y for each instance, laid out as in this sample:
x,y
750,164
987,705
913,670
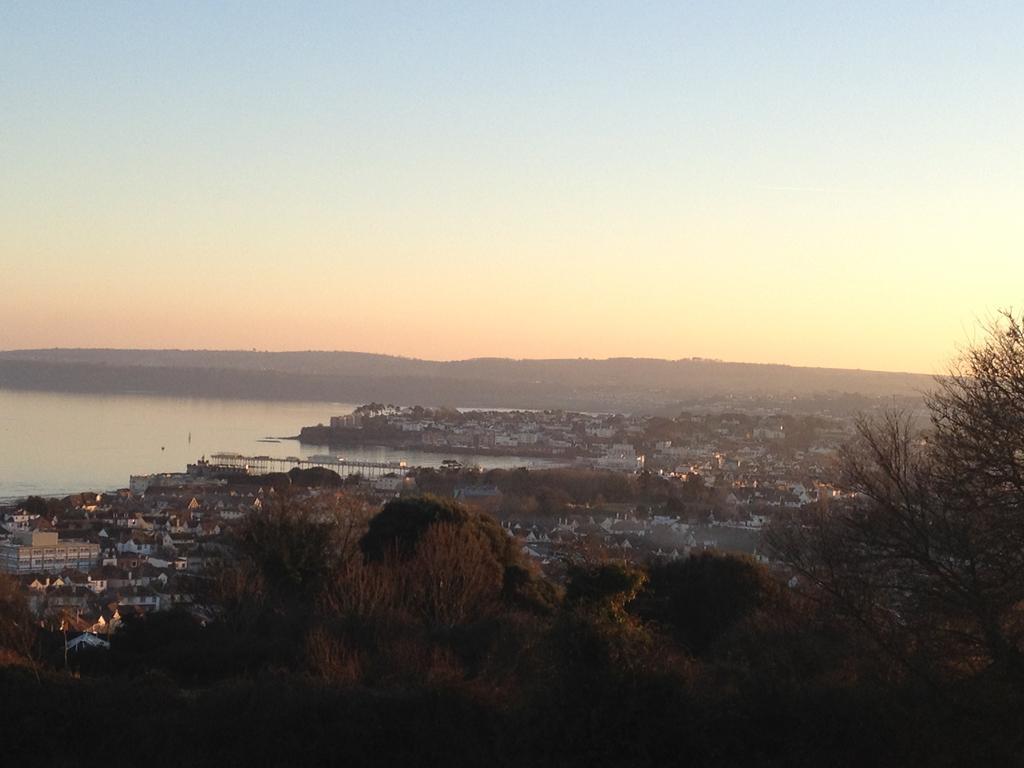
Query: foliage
x,y
17,629
700,599
527,590
929,559
296,546
606,586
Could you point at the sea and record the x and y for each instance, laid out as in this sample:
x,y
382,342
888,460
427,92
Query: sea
x,y
54,444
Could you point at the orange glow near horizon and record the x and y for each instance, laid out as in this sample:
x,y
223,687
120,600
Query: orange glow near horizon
x,y
690,181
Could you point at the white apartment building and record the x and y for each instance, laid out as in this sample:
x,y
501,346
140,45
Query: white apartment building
x,y
44,552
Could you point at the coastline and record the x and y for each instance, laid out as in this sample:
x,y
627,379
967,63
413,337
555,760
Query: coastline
x,y
461,450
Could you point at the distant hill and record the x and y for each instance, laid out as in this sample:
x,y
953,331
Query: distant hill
x,y
626,384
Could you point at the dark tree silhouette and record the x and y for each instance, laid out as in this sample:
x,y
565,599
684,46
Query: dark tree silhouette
x,y
17,629
703,597
929,558
402,523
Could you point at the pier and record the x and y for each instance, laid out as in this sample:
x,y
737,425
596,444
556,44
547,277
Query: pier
x,y
256,465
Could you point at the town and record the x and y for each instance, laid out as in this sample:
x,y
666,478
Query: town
x,y
631,488
606,441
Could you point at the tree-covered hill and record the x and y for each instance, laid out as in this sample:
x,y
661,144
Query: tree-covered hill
x,y
622,384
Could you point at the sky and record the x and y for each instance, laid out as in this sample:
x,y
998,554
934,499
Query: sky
x,y
812,183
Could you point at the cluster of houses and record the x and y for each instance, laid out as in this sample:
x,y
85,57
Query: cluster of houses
x,y
749,467
733,523
758,464
609,441
107,555
620,532
592,438
87,562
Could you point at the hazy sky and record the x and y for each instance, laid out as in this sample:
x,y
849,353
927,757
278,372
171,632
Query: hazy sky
x,y
805,182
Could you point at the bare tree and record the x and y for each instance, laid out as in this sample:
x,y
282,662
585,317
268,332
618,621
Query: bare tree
x,y
929,557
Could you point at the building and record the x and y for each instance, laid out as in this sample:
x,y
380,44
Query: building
x,y
621,456
44,552
349,421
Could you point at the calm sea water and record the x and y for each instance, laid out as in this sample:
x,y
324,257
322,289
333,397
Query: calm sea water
x,y
53,444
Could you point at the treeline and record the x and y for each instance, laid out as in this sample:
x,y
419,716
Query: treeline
x,y
420,634
585,385
559,491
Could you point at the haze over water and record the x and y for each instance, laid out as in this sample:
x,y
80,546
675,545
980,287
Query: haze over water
x,y
52,444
